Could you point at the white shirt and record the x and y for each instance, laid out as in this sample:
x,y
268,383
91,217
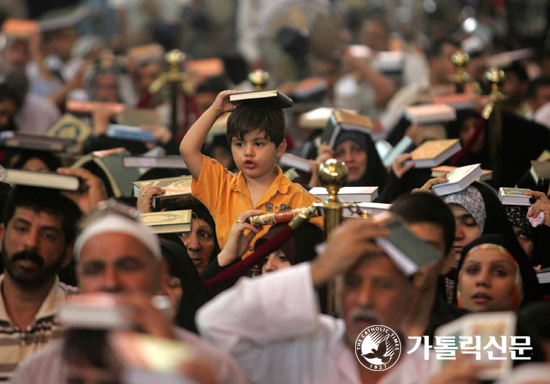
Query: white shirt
x,y
36,115
273,328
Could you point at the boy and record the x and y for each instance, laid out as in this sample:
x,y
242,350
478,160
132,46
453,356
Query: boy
x,y
256,136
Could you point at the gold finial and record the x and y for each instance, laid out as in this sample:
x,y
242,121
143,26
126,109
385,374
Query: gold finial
x,y
333,175
461,77
259,79
496,78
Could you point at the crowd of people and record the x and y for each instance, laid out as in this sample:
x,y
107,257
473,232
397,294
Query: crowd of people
x,y
267,303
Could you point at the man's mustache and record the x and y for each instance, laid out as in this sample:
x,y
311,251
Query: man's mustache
x,y
362,313
28,255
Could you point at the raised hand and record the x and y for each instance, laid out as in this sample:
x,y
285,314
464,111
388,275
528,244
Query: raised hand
x,y
222,103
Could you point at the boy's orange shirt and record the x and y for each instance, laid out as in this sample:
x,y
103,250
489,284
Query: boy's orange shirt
x,y
226,196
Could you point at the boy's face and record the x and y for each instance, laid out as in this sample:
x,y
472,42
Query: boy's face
x,y
255,155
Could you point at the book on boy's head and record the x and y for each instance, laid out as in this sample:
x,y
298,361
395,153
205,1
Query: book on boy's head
x,y
177,192
372,209
14,140
458,180
131,133
540,170
458,101
270,97
168,222
514,196
349,194
119,178
86,107
292,161
434,152
40,179
340,120
20,28
407,251
430,113
442,169
172,162
138,117
70,127
206,67
488,327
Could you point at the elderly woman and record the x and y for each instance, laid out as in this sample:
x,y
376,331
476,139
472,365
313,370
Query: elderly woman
x,y
494,274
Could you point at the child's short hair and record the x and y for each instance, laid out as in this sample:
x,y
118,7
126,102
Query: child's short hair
x,y
247,118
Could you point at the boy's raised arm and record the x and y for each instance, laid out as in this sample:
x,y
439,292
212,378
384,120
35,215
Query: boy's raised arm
x,y
190,147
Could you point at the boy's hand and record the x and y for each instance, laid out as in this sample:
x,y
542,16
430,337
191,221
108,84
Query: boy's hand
x,y
237,242
222,103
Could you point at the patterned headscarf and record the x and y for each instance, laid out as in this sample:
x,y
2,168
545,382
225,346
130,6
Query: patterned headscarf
x,y
517,296
472,201
517,216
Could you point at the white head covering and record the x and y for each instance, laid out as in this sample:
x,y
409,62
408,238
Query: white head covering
x,y
118,224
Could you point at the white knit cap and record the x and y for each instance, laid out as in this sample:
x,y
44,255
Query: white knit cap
x,y
119,224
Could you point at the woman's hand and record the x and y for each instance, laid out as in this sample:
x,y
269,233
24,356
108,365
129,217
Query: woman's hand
x,y
398,165
430,183
541,205
237,242
146,194
324,153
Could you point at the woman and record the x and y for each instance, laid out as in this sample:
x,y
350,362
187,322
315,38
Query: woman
x,y
183,285
517,216
494,274
201,242
477,211
358,151
10,103
37,161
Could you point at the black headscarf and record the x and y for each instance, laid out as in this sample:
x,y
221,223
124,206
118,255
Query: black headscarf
x,y
531,288
181,266
375,174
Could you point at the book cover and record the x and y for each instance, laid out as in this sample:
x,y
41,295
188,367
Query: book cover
x,y
458,101
271,97
540,170
40,179
139,117
86,107
70,127
339,121
514,196
404,248
292,161
172,162
430,113
131,133
110,162
434,152
442,169
20,27
349,194
318,118
34,142
177,192
206,67
458,180
168,222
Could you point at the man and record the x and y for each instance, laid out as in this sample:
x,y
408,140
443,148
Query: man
x,y
37,242
288,341
117,254
516,89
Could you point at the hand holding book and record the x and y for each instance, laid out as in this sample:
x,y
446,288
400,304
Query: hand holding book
x,y
146,194
93,189
427,187
541,205
399,167
222,103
